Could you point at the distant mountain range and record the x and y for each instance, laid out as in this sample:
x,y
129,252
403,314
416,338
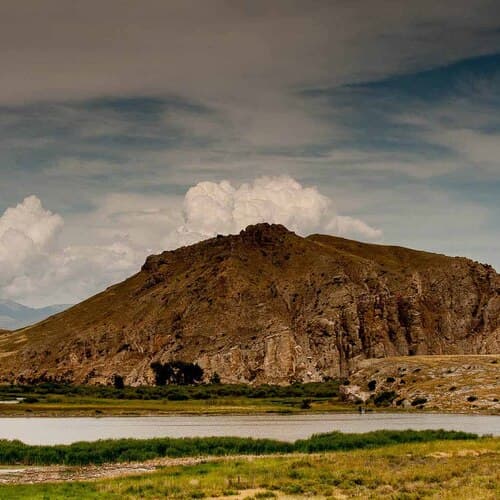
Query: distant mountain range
x,y
14,315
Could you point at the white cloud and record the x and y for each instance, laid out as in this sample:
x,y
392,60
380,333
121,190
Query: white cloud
x,y
211,208
36,269
26,232
354,228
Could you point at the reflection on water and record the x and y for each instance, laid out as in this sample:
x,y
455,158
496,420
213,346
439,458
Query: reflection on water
x,y
282,427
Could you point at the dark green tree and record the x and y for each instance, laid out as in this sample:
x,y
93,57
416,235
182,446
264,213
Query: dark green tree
x,y
177,373
118,381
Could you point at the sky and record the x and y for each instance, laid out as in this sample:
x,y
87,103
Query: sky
x,y
130,127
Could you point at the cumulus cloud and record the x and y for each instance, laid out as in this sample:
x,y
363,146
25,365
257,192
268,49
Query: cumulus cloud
x,y
211,208
35,268
26,232
355,228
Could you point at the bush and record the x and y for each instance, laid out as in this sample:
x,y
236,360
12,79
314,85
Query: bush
x,y
178,396
30,400
306,404
372,385
419,401
385,398
177,372
118,382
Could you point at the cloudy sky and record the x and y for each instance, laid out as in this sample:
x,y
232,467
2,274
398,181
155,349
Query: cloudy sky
x,y
128,127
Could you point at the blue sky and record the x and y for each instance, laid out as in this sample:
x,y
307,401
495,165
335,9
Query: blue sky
x,y
390,112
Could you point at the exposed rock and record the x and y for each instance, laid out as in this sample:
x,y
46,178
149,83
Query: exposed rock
x,y
354,394
441,383
266,306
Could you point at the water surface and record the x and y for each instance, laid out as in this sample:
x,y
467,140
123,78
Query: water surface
x,y
283,427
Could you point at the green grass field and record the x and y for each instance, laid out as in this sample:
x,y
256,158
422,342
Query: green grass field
x,y
455,470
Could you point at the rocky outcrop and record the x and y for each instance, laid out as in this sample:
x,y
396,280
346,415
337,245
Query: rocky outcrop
x,y
267,306
441,383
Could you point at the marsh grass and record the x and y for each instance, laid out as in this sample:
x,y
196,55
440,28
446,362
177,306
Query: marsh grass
x,y
445,470
126,450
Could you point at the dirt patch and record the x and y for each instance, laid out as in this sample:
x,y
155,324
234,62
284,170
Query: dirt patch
x,y
61,473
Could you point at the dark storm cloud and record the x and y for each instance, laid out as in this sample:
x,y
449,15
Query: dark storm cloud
x,y
54,49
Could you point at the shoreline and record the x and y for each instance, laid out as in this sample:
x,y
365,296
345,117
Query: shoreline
x,y
101,413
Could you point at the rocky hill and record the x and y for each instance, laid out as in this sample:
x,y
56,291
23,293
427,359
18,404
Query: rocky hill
x,y
266,306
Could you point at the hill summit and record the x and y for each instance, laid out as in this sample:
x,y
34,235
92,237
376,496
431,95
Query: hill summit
x,y
265,306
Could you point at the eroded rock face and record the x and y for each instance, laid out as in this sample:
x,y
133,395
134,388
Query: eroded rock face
x,y
267,306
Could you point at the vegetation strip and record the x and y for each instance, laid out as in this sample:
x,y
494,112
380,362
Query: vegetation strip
x,y
455,470
43,392
126,450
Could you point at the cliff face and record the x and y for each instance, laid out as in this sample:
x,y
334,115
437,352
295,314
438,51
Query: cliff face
x,y
266,306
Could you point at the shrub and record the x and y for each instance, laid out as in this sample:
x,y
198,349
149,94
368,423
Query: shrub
x,y
30,400
178,395
200,395
306,404
118,382
372,385
177,372
385,398
419,401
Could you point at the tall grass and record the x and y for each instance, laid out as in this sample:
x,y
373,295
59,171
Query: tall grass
x,y
124,450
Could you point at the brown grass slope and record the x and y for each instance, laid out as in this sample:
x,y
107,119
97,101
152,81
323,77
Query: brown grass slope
x,y
266,306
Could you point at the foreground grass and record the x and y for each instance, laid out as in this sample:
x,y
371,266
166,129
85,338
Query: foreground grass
x,y
125,450
441,469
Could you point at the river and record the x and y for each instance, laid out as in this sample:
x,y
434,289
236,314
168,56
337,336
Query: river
x,y
283,427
